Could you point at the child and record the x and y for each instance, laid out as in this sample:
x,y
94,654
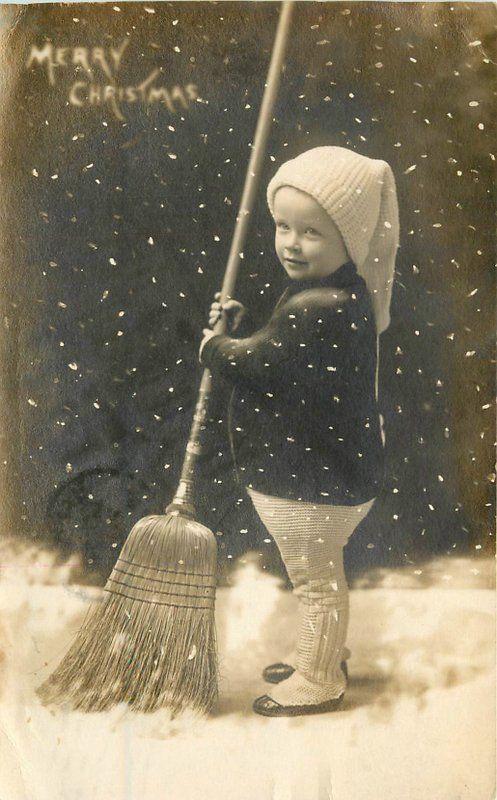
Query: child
x,y
304,424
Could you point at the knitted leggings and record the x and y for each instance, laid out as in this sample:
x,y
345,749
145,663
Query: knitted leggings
x,y
311,538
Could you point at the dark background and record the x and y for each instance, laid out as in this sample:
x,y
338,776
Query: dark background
x,y
158,193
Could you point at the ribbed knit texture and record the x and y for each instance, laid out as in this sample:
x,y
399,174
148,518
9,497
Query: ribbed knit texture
x,y
359,194
311,538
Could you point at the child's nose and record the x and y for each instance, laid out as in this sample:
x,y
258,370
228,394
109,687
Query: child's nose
x,y
294,242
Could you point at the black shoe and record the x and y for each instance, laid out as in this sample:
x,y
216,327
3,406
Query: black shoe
x,y
275,673
268,707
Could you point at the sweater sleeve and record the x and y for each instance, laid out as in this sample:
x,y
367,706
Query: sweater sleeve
x,y
271,358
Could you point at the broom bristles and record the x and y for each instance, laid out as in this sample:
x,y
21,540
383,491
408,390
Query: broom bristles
x,y
151,641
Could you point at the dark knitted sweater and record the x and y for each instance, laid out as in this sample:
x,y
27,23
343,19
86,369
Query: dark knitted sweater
x,y
303,419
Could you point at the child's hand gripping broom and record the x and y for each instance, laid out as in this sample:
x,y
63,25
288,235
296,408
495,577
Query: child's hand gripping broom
x,y
151,641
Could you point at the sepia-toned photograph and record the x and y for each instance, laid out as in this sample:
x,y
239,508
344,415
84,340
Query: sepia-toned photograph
x,y
247,400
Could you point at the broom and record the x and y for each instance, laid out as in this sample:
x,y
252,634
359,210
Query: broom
x,y
151,641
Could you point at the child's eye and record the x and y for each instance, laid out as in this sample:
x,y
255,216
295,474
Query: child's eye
x,y
282,226
312,231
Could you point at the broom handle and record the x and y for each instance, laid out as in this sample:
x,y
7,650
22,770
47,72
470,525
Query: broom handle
x,y
184,498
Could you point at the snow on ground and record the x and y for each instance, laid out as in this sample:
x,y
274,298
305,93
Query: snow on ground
x,y
418,719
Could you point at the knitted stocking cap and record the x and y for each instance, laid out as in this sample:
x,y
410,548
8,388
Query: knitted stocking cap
x,y
360,196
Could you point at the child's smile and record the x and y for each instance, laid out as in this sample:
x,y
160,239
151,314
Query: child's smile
x,y
307,241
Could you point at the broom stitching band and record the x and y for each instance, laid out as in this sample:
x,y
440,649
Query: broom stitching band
x,y
165,591
167,569
155,603
160,580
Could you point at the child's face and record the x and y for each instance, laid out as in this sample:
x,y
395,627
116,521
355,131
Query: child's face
x,y
307,241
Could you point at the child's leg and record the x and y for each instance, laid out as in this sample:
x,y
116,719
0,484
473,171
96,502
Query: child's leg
x,y
311,540
324,616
